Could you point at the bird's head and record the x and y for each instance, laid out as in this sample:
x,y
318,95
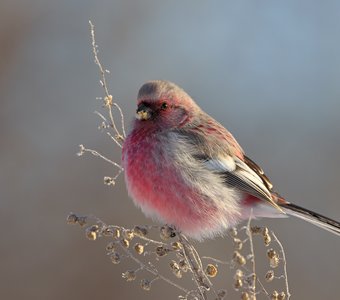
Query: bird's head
x,y
164,104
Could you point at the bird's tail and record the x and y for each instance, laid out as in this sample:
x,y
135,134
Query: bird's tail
x,y
311,217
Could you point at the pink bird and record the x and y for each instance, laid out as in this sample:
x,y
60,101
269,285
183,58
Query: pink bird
x,y
184,168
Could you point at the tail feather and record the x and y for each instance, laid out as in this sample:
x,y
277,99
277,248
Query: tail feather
x,y
312,217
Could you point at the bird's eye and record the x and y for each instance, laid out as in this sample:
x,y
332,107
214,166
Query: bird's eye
x,y
164,106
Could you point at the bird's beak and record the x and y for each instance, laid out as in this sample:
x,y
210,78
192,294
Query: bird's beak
x,y
143,112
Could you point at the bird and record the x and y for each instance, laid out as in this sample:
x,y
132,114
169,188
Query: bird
x,y
183,168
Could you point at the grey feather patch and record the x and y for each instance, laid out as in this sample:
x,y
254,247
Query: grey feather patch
x,y
157,89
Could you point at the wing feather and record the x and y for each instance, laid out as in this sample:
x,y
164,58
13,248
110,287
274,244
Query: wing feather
x,y
227,159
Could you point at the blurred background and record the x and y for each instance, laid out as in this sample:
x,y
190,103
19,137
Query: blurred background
x,y
267,70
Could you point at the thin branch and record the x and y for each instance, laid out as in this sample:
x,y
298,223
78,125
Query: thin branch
x,y
107,124
114,139
251,245
284,265
218,261
108,100
95,54
108,104
121,118
155,273
96,153
195,267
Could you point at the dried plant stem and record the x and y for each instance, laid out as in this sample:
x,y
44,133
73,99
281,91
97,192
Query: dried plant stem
x,y
151,241
121,118
107,124
97,61
108,100
153,272
195,264
251,246
284,265
218,261
96,153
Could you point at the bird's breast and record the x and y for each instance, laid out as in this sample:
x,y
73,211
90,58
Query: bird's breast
x,y
173,190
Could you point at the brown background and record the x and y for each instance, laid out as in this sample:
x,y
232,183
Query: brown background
x,y
269,71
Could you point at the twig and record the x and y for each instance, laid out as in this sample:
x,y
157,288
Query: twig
x,y
106,124
218,261
195,266
150,270
251,245
121,118
96,153
284,265
108,100
97,61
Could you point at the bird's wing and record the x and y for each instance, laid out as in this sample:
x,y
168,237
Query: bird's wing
x,y
217,154
244,176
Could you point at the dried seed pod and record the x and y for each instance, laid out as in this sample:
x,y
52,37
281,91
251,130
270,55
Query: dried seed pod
x,y
221,294
140,230
110,247
109,181
125,243
274,259
115,258
233,231
274,295
128,234
238,283
108,100
167,232
174,265
81,150
238,258
129,275
72,218
267,239
256,230
116,233
265,231
211,270
183,265
274,262
145,284
281,296
245,296
238,244
108,231
162,251
269,276
82,220
271,253
139,248
91,232
175,269
176,246
239,274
